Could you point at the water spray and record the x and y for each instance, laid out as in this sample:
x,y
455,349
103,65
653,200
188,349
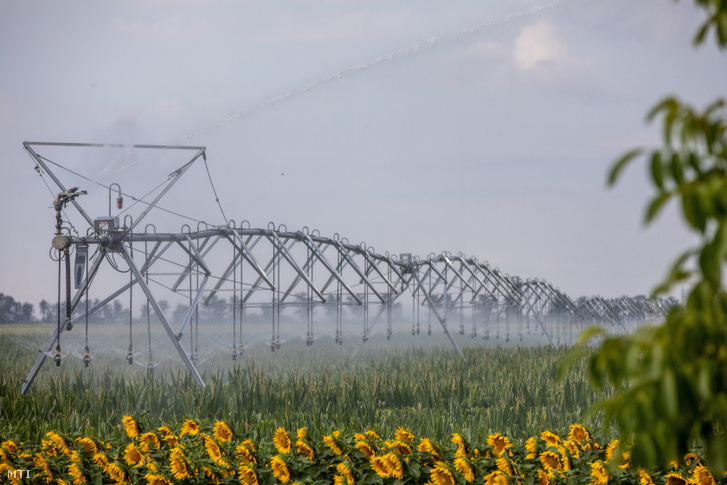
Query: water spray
x,y
410,51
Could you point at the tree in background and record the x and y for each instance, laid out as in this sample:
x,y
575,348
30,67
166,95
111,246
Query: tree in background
x,y
671,380
12,311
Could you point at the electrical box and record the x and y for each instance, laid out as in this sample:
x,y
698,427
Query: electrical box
x,y
104,225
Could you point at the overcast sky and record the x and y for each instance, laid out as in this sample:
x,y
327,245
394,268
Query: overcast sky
x,y
419,126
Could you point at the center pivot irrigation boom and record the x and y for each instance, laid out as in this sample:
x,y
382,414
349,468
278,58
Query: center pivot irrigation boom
x,y
281,272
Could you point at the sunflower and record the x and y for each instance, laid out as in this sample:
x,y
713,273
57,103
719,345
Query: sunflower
x,y
222,431
531,446
165,430
380,466
58,442
345,472
599,473
74,470
371,434
542,477
462,466
578,433
339,480
331,442
9,446
280,469
644,477
440,475
131,426
404,435
155,479
365,448
611,448
245,453
458,440
213,449
572,447
149,441
171,440
550,438
281,440
496,478
402,447
115,472
87,444
101,459
689,458
426,446
305,449
177,464
300,434
247,475
190,426
40,462
499,443
675,479
133,456
503,464
550,461
702,476
393,465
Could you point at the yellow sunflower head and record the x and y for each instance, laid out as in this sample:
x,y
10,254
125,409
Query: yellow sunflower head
x,y
394,465
213,449
305,449
440,475
133,456
550,438
578,433
330,441
130,426
675,479
380,466
404,435
599,473
702,476
644,477
190,426
281,440
88,445
462,465
247,475
177,464
550,461
344,471
499,443
222,431
365,448
496,478
280,469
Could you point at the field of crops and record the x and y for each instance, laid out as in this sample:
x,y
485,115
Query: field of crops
x,y
429,390
406,394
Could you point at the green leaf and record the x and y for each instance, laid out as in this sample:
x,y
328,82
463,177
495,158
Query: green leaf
x,y
669,393
677,170
657,170
621,163
655,206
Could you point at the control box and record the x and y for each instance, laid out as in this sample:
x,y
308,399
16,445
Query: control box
x,y
105,225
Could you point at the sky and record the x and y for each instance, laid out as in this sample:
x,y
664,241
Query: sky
x,y
415,126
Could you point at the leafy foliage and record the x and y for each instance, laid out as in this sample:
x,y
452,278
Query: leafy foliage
x,y
672,379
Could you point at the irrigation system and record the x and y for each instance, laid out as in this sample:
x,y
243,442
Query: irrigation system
x,y
276,269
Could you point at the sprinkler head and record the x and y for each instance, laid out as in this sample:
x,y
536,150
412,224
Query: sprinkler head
x,y
120,202
57,358
234,353
86,359
130,356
